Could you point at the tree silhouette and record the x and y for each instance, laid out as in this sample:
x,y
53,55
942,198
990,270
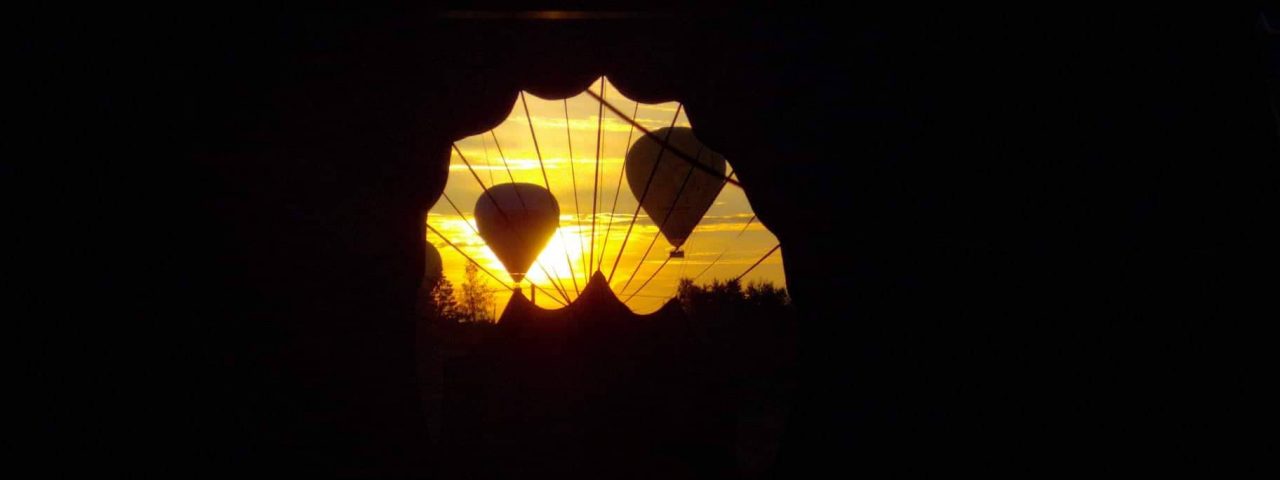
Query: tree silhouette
x,y
439,304
765,294
727,301
475,300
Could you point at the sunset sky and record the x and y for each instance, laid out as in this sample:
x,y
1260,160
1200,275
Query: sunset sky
x,y
716,234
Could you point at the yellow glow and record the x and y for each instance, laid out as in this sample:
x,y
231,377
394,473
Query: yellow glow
x,y
557,257
719,231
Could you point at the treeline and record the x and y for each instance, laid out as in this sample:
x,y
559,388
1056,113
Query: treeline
x,y
712,302
730,299
711,388
472,303
746,332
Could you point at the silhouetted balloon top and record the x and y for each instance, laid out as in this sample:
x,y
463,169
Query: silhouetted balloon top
x,y
433,265
678,195
516,220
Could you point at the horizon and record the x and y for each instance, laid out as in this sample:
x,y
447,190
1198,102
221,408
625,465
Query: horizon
x,y
727,239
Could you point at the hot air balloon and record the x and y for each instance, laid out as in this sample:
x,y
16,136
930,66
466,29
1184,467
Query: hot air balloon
x,y
516,220
433,266
678,195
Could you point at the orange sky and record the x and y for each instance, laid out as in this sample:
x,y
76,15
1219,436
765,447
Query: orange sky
x,y
716,234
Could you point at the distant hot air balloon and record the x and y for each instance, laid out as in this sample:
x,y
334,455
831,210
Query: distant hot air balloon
x,y
433,266
679,194
432,272
516,220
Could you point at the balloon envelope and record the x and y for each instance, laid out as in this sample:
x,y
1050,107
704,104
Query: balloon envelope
x,y
516,220
433,267
679,194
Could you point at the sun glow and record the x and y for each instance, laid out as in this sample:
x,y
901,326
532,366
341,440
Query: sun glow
x,y
724,244
563,257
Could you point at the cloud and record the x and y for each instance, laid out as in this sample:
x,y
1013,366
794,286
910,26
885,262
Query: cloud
x,y
548,124
736,218
718,232
662,107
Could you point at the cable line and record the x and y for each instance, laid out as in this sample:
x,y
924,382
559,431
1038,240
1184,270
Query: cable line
x,y
645,193
621,170
500,211
683,184
477,233
674,151
646,281
577,210
556,281
595,187
488,162
754,265
547,182
726,248
485,270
